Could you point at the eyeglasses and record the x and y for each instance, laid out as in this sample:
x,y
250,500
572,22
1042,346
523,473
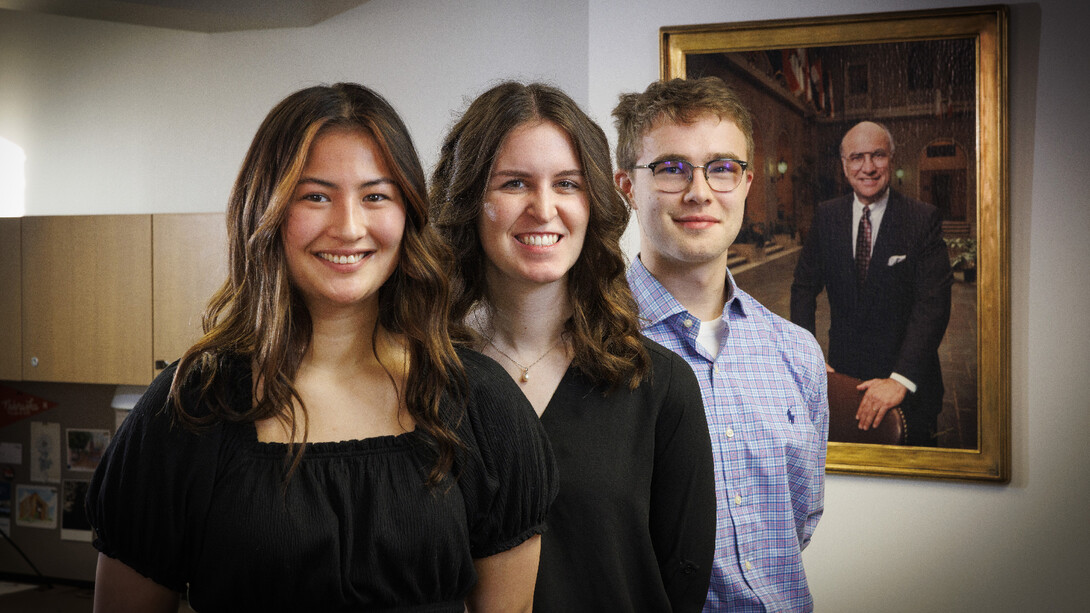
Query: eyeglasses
x,y
879,158
673,176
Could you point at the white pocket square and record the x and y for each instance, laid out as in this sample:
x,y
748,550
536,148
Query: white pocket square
x,y
896,259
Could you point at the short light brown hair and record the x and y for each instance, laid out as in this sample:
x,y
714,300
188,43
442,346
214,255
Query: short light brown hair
x,y
676,101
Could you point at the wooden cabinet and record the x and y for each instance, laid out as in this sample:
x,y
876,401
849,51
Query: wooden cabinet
x,y
103,297
11,299
189,262
86,307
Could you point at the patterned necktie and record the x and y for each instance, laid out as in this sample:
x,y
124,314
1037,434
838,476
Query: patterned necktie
x,y
862,247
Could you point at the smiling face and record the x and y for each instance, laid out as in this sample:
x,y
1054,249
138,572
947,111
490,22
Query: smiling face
x,y
865,154
535,211
343,229
696,225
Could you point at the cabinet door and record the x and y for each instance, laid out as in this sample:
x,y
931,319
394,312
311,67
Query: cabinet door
x,y
87,299
190,263
11,297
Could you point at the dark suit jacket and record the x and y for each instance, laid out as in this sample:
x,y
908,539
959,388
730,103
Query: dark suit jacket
x,y
896,322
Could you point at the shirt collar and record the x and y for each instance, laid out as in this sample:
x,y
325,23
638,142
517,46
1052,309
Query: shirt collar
x,y
876,208
735,295
657,303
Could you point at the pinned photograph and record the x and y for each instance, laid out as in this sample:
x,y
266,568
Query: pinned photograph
x,y
85,448
5,506
74,523
36,506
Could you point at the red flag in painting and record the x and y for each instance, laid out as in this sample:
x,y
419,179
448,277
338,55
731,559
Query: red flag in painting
x,y
816,84
16,405
795,71
829,98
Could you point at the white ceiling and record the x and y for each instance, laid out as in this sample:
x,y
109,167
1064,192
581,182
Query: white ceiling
x,y
195,15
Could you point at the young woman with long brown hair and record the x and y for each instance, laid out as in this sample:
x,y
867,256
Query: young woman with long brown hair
x,y
524,192
324,446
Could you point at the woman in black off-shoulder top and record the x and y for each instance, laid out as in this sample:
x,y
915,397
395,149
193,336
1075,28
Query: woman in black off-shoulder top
x,y
324,446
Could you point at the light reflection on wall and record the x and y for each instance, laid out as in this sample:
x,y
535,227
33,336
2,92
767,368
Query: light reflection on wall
x,y
12,179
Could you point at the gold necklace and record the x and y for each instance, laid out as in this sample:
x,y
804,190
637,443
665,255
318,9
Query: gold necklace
x,y
525,369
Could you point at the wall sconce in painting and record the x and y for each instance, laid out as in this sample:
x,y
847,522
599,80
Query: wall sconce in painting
x,y
781,170
900,174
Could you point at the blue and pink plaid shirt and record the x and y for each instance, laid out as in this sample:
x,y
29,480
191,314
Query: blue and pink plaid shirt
x,y
766,398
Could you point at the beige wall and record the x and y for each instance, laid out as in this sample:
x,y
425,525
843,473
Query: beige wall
x,y
117,118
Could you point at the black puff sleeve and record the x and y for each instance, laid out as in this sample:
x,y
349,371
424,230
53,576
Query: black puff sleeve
x,y
509,477
149,494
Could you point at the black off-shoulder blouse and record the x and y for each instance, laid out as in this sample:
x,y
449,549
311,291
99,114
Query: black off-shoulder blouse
x,y
355,528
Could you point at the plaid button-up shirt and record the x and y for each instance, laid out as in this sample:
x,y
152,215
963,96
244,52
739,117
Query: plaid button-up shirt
x,y
766,399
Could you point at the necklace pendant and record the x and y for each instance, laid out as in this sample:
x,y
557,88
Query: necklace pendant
x,y
525,375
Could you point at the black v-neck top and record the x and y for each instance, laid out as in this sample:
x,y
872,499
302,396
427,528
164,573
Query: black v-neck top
x,y
355,528
633,528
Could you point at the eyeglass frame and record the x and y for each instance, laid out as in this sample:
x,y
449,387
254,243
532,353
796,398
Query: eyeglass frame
x,y
856,164
692,173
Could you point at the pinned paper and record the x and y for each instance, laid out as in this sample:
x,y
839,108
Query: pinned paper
x,y
11,453
45,452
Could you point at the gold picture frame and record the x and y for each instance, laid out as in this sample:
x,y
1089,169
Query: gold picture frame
x,y
842,96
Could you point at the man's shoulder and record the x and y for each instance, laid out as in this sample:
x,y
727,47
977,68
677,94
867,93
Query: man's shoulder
x,y
911,205
834,206
795,345
653,300
664,359
842,200
783,331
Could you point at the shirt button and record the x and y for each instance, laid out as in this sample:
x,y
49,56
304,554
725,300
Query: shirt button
x,y
730,432
688,323
749,565
737,500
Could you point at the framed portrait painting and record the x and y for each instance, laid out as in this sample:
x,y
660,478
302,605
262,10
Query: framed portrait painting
x,y
936,80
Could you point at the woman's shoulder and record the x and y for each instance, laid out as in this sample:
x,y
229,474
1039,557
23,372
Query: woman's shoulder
x,y
507,475
157,403
493,399
475,361
671,380
153,457
663,360
485,374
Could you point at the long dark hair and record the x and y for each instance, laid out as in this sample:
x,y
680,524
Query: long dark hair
x,y
604,328
257,316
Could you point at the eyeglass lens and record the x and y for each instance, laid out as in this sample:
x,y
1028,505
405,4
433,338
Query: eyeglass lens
x,y
675,175
878,158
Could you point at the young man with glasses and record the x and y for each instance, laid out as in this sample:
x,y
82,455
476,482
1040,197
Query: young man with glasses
x,y
685,163
880,257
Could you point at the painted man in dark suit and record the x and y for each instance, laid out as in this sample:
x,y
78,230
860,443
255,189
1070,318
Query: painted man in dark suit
x,y
881,258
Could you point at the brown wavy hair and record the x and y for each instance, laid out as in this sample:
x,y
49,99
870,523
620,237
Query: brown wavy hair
x,y
258,317
604,327
676,101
